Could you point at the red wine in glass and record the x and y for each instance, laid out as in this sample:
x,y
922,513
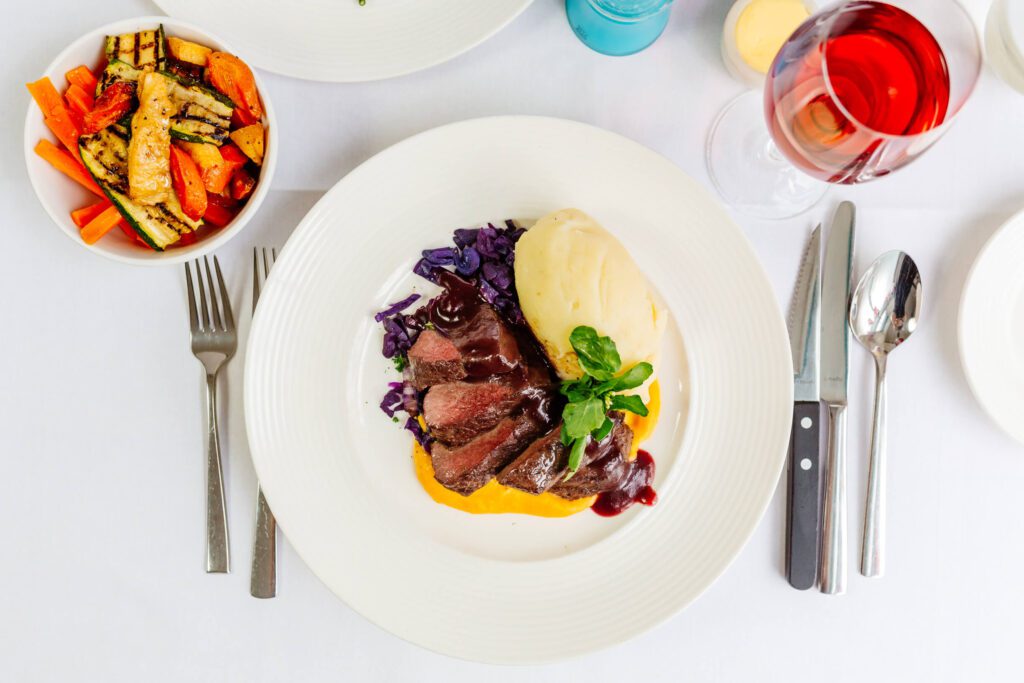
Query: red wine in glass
x,y
857,92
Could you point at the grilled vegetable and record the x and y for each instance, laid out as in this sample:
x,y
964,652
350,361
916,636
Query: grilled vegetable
x,y
110,107
115,72
187,51
242,184
188,184
232,76
142,49
213,168
149,156
105,155
250,141
201,115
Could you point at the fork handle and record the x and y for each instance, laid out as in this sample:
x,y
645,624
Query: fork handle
x,y
263,576
217,560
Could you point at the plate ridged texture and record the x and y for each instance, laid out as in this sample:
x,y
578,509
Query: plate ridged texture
x,y
991,328
314,432
339,41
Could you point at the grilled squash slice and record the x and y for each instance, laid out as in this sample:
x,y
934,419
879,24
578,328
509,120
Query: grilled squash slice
x,y
142,49
105,155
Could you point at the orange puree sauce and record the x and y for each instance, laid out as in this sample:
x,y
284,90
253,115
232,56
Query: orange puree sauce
x,y
494,498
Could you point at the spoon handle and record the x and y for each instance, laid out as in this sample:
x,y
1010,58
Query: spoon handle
x,y
832,578
872,559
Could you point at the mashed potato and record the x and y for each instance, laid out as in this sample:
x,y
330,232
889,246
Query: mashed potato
x,y
569,272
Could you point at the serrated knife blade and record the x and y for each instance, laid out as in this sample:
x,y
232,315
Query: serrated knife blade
x,y
803,322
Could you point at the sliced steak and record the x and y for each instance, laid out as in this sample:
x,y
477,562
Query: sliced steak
x,y
535,470
545,462
434,359
458,411
605,471
466,468
487,345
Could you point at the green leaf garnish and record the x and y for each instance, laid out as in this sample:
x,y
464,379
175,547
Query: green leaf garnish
x,y
604,430
634,377
400,362
590,397
597,355
579,447
632,403
583,417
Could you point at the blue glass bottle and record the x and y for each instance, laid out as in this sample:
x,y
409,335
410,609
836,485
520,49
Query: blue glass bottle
x,y
618,27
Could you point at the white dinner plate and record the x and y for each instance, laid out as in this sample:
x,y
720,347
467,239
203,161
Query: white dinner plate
x,y
512,588
991,327
339,41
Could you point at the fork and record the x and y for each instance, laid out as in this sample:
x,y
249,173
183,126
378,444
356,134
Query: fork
x,y
263,575
214,345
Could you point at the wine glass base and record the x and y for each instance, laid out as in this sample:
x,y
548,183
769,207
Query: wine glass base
x,y
747,168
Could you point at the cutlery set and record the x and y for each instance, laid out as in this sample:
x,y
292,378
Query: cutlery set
x,y
214,341
881,314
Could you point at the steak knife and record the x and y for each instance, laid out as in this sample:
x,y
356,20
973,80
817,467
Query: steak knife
x,y
802,502
835,348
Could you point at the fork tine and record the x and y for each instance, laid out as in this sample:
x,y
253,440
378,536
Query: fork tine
x,y
202,296
193,317
255,277
273,252
228,317
214,305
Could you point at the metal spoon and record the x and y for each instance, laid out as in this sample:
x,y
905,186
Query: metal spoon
x,y
883,314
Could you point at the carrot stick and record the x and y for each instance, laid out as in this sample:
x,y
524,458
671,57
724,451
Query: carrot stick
x,y
82,216
65,130
82,77
78,99
67,165
45,95
101,225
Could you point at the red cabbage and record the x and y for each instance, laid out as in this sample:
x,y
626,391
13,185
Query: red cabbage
x,y
397,307
486,257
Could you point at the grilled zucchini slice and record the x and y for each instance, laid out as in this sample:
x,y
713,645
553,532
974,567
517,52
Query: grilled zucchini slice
x,y
115,71
105,155
202,115
142,49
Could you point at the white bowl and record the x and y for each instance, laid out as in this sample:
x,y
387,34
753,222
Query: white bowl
x,y
60,195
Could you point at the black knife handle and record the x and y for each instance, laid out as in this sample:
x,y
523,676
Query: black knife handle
x,y
803,509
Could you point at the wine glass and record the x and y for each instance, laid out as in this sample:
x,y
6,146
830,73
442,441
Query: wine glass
x,y
860,89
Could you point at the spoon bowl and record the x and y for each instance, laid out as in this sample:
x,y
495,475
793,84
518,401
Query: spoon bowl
x,y
885,306
884,312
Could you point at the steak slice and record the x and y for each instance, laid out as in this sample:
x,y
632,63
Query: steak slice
x,y
545,462
434,359
458,411
605,471
487,345
466,468
536,468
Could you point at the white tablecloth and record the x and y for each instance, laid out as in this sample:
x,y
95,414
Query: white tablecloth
x,y
101,446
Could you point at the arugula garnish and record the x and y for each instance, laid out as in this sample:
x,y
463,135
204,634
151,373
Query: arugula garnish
x,y
590,397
